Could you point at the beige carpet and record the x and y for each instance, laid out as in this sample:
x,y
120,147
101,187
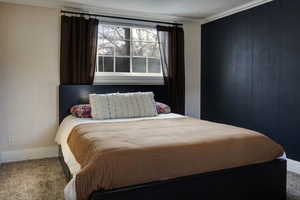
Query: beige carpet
x,y
32,180
293,186
44,180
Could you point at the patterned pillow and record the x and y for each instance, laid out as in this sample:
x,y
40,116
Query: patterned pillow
x,y
81,111
162,108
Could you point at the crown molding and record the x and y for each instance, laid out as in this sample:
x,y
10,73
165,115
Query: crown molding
x,y
232,11
71,6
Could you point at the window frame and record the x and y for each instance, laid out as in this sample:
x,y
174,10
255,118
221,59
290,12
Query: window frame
x,y
142,78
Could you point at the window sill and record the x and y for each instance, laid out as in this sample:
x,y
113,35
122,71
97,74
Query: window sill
x,y
128,79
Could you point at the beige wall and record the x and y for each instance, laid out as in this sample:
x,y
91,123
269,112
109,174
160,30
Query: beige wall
x,y
29,76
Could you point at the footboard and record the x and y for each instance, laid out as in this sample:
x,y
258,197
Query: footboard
x,y
259,181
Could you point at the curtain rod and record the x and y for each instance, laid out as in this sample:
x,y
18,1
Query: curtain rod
x,y
124,18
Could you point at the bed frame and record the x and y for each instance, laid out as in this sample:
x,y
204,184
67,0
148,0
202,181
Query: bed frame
x,y
254,182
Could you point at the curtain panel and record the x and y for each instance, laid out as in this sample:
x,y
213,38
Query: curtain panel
x,y
78,50
171,42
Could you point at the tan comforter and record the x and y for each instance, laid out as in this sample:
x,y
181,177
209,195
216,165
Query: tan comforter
x,y
114,155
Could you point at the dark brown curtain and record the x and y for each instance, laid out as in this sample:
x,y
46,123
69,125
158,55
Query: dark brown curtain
x,y
78,50
171,40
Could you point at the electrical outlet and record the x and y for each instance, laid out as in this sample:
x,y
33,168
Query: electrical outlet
x,y
11,140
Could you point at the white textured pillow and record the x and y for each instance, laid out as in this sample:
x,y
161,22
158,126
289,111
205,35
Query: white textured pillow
x,y
123,105
128,105
100,106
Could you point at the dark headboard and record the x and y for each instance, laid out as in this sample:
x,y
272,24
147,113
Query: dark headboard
x,y
70,95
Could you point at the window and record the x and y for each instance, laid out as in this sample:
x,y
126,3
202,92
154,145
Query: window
x,y
128,55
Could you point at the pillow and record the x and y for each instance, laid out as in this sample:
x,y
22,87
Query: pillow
x,y
100,106
81,111
162,108
128,105
123,105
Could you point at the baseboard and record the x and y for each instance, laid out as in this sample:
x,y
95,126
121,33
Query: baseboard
x,y
28,154
293,166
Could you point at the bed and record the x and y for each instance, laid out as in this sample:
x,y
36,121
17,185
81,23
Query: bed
x,y
252,181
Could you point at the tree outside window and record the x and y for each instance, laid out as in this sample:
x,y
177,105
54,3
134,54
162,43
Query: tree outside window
x,y
124,49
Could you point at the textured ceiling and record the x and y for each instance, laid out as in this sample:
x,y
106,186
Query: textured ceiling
x,y
169,10
192,9
180,8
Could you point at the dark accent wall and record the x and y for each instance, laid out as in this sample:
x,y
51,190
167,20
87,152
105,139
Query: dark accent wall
x,y
251,72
